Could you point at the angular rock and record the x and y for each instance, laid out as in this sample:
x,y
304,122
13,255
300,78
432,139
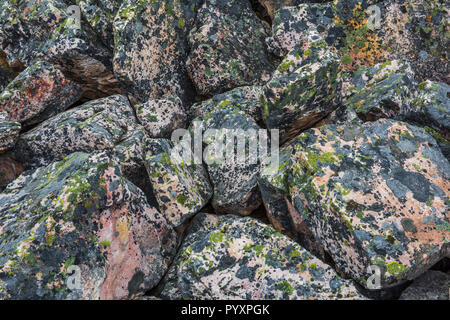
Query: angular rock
x,y
303,90
150,50
9,132
180,188
371,194
38,93
48,30
80,215
227,48
95,125
161,117
291,24
228,257
232,160
10,169
432,285
245,98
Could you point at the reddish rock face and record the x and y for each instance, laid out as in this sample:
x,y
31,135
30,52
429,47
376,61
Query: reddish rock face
x,y
38,93
80,213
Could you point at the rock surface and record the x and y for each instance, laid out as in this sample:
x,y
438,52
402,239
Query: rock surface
x,y
432,285
9,132
228,257
80,215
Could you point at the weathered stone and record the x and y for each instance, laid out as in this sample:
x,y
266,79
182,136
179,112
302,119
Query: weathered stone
x,y
432,285
6,73
375,193
150,50
180,188
231,157
10,169
9,132
161,117
229,257
227,48
95,125
273,5
38,93
80,214
47,30
303,90
245,98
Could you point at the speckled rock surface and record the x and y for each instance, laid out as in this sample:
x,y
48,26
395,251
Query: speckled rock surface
x,y
96,125
161,117
303,90
150,50
228,257
245,98
46,30
38,93
227,48
180,188
375,193
80,212
432,285
228,155
9,132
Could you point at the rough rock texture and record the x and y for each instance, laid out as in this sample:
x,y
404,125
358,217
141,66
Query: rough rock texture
x,y
228,257
432,285
231,157
9,132
272,5
96,125
181,188
80,212
6,72
10,169
161,117
227,48
38,93
47,30
150,50
245,98
375,193
303,90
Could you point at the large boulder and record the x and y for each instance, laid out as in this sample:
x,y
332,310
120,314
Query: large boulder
x,y
80,215
181,188
228,257
227,48
38,93
9,132
150,49
303,90
96,125
371,194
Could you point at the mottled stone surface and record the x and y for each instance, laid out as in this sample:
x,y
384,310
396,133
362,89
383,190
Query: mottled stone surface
x,y
96,125
227,48
9,132
161,117
229,257
38,93
375,193
303,90
231,156
80,212
181,188
150,49
245,98
432,285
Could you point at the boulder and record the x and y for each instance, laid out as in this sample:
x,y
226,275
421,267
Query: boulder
x,y
227,48
96,125
233,258
78,230
38,93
